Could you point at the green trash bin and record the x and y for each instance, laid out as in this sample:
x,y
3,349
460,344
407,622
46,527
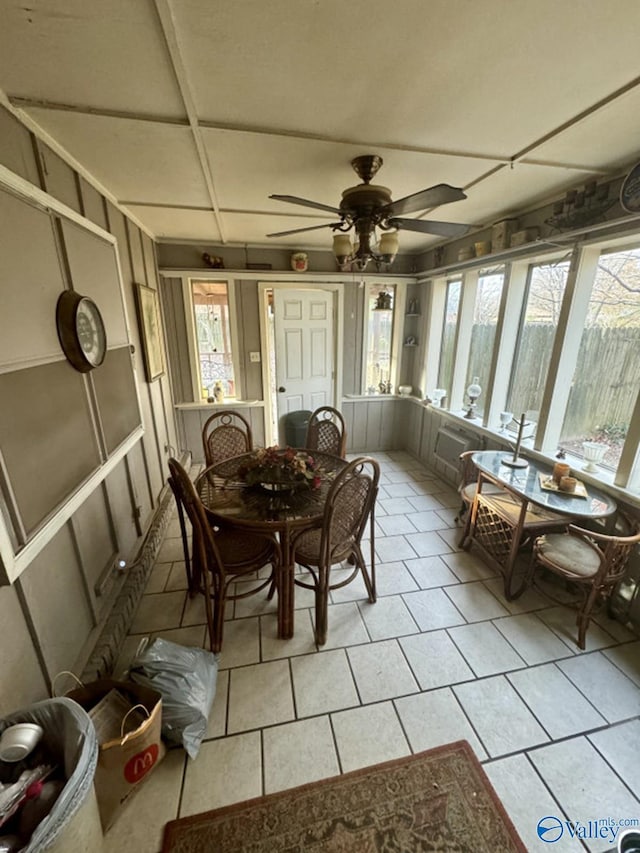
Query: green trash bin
x,y
295,428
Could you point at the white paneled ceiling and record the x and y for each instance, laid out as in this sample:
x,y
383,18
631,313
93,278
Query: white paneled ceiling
x,y
191,112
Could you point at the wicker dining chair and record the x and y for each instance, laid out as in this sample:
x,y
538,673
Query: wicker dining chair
x,y
221,556
226,434
594,562
467,487
327,431
337,538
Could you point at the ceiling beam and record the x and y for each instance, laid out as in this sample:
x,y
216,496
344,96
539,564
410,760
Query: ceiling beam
x,y
167,23
286,133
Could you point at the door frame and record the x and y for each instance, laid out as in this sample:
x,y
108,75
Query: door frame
x,y
337,290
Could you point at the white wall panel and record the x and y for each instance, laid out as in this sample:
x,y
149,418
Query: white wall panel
x,y
31,284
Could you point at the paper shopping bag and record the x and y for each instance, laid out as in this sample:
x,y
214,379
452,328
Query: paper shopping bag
x,y
128,720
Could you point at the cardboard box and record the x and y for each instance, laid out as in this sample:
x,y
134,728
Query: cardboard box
x,y
527,235
501,234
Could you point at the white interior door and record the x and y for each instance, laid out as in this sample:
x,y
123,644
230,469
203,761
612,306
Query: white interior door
x,y
305,347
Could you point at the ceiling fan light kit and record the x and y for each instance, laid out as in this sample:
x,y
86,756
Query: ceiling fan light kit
x,y
367,209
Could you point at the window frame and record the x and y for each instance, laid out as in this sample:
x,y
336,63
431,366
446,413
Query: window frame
x,y
192,339
397,323
584,255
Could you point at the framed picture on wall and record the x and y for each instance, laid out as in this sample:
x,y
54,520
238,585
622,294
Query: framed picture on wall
x,y
150,331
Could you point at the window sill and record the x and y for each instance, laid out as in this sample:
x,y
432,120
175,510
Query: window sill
x,y
230,402
602,478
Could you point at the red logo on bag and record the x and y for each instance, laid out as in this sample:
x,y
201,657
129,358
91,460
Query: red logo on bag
x,y
140,764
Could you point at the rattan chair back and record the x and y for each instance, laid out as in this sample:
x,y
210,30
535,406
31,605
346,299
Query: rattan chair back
x,y
327,431
350,504
220,556
226,434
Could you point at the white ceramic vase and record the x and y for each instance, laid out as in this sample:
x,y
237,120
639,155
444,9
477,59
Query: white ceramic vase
x,y
594,453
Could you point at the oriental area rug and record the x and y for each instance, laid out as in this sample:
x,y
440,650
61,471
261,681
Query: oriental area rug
x,y
438,801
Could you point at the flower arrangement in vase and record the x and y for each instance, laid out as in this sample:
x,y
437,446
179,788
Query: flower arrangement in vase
x,y
276,469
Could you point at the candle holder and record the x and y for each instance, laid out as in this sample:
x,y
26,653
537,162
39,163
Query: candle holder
x,y
516,461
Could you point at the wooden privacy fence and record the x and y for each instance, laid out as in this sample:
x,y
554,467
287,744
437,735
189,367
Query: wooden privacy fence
x,y
605,384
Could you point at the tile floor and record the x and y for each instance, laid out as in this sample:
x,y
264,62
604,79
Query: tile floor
x,y
440,656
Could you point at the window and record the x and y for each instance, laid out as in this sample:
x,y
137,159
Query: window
x,y
606,380
483,332
210,301
538,326
379,337
452,308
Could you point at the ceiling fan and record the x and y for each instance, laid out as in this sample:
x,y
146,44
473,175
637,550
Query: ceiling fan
x,y
368,206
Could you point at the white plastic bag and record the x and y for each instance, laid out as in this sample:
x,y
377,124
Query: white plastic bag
x,y
186,679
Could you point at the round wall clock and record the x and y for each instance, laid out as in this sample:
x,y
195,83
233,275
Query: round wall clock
x,y
81,330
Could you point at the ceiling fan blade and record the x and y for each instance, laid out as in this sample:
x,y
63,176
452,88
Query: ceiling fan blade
x,y
299,230
431,226
293,199
431,197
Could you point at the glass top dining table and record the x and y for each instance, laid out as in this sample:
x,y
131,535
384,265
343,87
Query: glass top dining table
x,y
269,512
528,482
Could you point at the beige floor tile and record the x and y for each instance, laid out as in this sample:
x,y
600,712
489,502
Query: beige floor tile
x,y
562,620
302,642
254,605
240,643
170,551
368,736
140,823
393,578
531,638
381,671
614,695
323,682
259,696
430,572
298,753
556,702
177,577
217,724
225,771
435,718
346,627
158,612
475,602
467,567
435,660
500,718
158,580
195,636
525,796
388,617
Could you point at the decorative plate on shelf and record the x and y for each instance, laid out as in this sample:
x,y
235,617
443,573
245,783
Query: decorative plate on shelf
x,y
630,191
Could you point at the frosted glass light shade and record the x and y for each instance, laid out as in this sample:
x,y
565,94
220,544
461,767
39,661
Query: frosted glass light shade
x,y
342,247
474,390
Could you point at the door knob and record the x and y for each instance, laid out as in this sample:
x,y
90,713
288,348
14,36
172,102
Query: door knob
x,y
282,389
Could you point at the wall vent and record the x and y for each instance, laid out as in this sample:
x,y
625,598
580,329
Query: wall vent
x,y
450,444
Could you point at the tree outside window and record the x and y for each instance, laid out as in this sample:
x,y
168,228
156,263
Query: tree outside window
x,y
606,381
483,332
452,309
538,328
213,336
379,339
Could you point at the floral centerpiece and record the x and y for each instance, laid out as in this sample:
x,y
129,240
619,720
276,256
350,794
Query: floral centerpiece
x,y
286,468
